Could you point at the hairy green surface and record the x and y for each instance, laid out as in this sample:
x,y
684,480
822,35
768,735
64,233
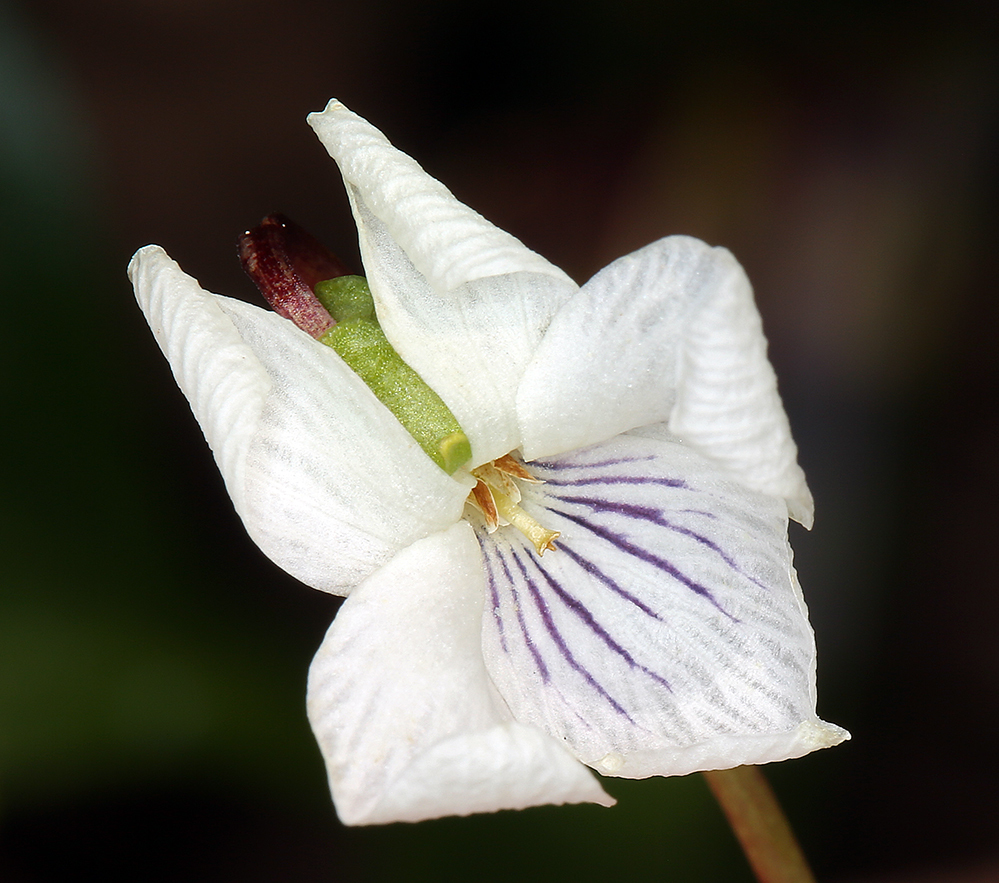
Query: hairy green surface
x,y
360,342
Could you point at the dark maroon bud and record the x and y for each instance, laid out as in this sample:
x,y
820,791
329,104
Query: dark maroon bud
x,y
285,263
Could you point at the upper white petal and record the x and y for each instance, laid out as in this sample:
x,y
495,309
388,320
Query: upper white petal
x,y
463,302
326,480
666,633
448,243
404,711
668,332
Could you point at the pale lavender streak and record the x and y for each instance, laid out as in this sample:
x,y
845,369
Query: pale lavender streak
x,y
597,573
678,483
493,592
658,516
552,629
584,614
710,515
599,464
528,641
648,557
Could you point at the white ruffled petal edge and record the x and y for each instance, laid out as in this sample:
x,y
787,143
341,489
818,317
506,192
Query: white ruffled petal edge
x,y
727,404
670,332
406,717
327,482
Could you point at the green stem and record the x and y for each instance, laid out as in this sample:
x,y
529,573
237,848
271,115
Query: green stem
x,y
760,825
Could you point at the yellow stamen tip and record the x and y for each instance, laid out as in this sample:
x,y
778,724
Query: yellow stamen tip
x,y
541,537
545,541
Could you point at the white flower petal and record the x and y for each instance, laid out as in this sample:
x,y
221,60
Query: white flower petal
x,y
403,708
326,480
667,632
224,382
448,243
668,332
463,302
727,404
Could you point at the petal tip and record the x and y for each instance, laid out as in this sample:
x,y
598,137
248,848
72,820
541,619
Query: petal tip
x,y
801,508
333,106
813,735
143,257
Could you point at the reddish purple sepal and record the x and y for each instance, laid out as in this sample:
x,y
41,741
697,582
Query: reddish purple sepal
x,y
285,263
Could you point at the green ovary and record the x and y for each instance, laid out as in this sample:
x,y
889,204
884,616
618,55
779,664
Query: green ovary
x,y
360,342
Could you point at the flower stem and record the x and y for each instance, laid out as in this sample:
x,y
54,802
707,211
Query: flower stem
x,y
759,825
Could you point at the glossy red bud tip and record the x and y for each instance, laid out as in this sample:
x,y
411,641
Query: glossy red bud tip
x,y
285,263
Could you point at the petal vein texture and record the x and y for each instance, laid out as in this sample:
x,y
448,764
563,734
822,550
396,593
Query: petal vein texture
x,y
667,633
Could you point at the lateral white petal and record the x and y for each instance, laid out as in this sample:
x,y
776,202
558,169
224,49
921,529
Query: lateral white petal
x,y
403,709
327,482
667,632
608,360
727,404
223,380
668,332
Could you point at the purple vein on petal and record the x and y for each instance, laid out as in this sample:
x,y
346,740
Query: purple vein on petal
x,y
556,636
528,640
677,483
657,516
493,592
486,543
581,611
702,512
597,573
625,545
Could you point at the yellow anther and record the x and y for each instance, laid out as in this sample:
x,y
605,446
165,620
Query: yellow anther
x,y
496,496
498,480
482,499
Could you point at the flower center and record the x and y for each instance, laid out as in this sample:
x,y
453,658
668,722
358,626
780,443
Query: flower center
x,y
496,496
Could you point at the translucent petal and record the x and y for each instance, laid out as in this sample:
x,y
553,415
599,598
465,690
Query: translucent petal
x,y
403,708
668,332
463,302
667,632
327,482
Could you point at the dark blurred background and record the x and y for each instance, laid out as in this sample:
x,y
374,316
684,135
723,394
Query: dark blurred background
x,y
153,662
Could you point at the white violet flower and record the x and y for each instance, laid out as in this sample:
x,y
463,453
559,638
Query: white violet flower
x,y
629,429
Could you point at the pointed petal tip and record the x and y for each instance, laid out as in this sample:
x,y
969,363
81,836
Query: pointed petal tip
x,y
447,242
801,508
816,734
143,257
332,106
